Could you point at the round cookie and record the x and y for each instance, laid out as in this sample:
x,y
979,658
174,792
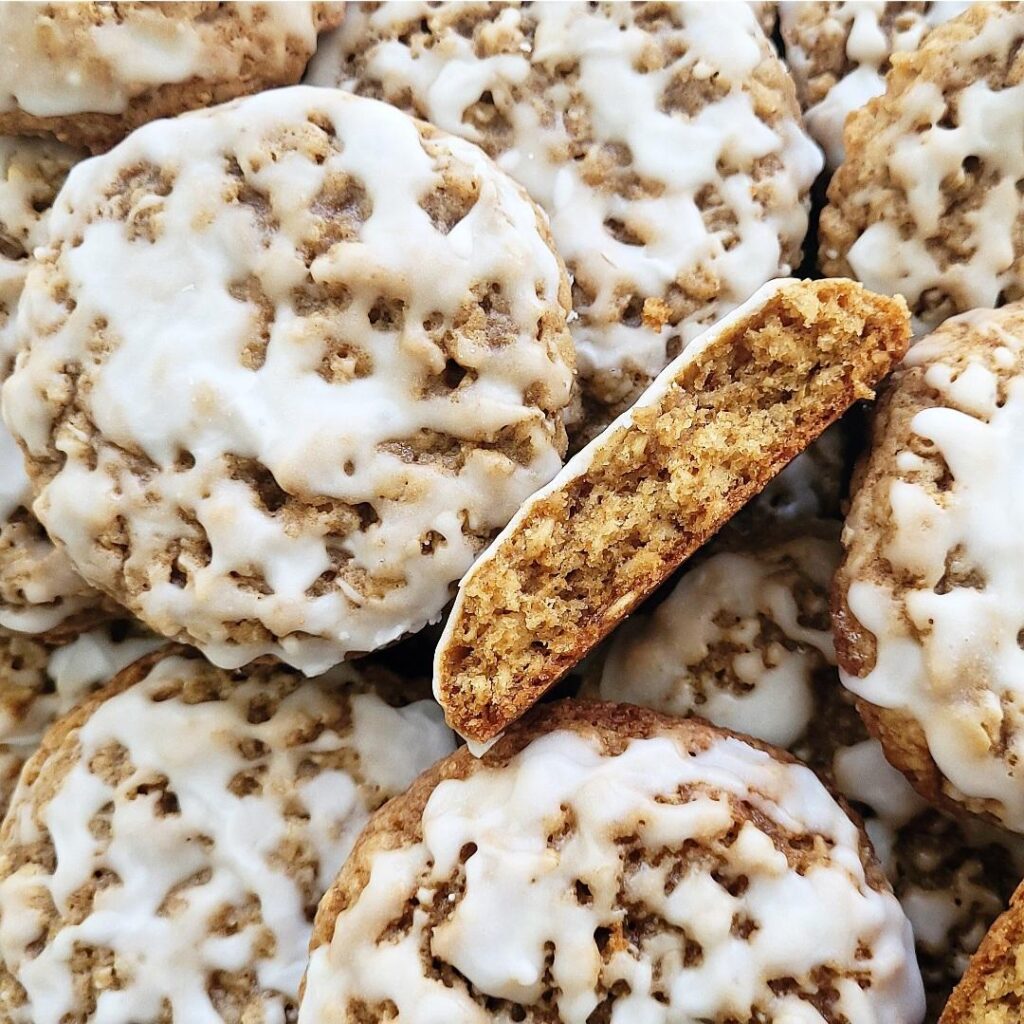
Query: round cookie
x,y
839,53
89,73
40,592
166,848
663,140
291,363
40,682
927,202
602,862
928,599
743,641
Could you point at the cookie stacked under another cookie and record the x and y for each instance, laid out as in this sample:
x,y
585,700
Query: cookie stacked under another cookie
x,y
166,848
88,73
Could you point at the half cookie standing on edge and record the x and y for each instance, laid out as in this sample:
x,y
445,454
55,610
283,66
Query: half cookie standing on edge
x,y
708,435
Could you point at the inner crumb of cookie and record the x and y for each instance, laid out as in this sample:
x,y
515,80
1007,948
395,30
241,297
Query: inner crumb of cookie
x,y
656,489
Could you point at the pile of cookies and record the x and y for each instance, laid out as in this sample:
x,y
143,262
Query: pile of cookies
x,y
509,513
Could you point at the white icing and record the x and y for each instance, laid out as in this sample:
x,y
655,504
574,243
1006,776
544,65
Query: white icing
x,y
926,156
718,608
951,656
518,927
156,915
317,438
869,45
604,49
57,62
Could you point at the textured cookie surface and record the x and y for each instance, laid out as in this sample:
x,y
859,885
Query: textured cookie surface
x,y
606,863
664,140
293,361
927,202
743,640
39,682
39,590
90,72
991,992
166,849
708,435
839,53
929,597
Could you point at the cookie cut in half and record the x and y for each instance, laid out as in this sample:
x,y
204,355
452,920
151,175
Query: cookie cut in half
x,y
286,366
929,600
708,435
992,989
166,848
605,863
89,73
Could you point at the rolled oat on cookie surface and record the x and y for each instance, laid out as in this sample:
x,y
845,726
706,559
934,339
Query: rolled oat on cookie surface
x,y
289,364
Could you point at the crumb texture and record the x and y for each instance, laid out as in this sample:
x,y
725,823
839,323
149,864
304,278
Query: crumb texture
x,y
613,864
708,435
928,203
289,364
91,72
930,593
166,849
664,141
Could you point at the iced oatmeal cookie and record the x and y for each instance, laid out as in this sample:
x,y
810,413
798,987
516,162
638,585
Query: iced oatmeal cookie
x,y
743,640
289,364
929,598
167,846
607,863
39,682
89,73
839,53
40,592
928,202
664,141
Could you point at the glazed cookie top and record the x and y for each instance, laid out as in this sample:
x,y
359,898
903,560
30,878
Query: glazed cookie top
x,y
839,54
927,203
166,849
39,682
743,641
933,580
664,140
622,865
58,59
293,361
739,640
31,174
39,589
